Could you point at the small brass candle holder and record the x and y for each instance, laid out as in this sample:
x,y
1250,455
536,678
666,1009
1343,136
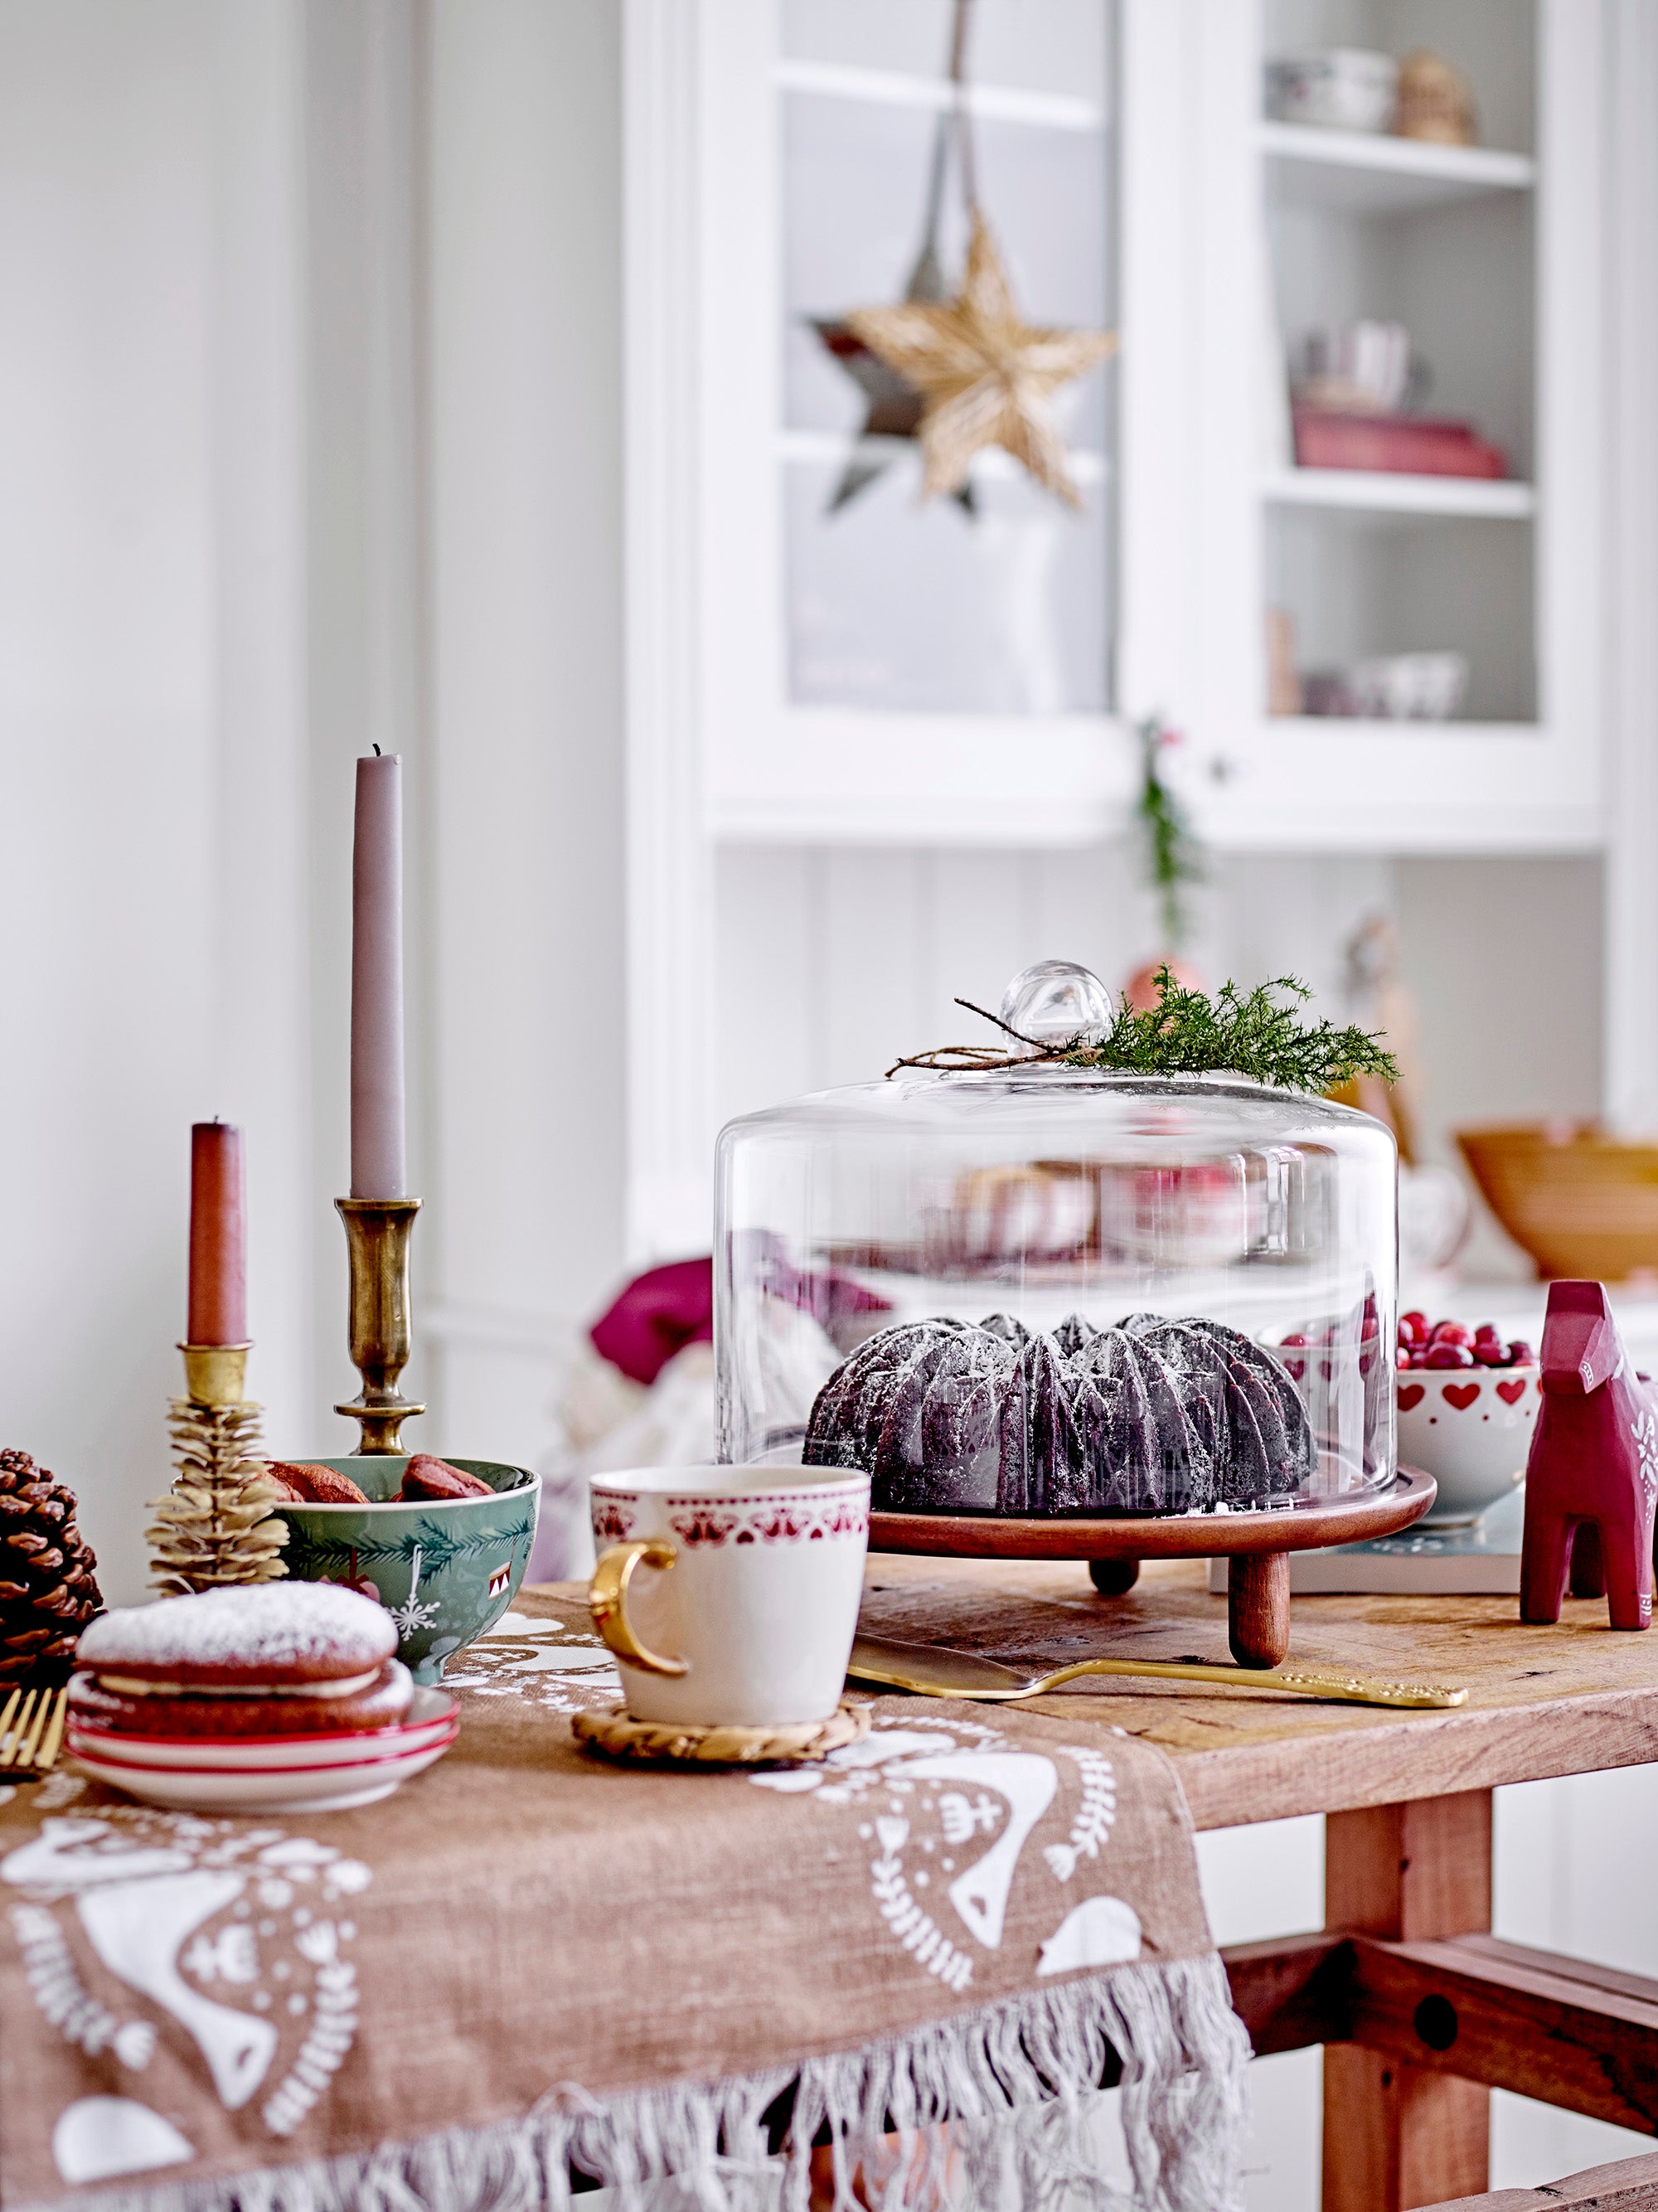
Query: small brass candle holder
x,y
215,1374
376,1232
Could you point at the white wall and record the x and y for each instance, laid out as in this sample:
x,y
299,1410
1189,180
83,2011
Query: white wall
x,y
147,724
298,291
527,1038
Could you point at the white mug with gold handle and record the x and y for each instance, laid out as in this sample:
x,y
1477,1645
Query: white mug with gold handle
x,y
730,1595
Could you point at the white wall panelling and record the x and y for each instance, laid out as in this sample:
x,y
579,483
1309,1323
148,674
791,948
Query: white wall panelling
x,y
361,652
153,770
831,962
1628,636
219,221
669,975
274,1061
529,1035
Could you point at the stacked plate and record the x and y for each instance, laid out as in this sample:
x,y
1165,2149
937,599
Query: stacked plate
x,y
311,1773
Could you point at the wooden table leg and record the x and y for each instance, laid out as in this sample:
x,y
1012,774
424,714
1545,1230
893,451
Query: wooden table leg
x,y
1394,2134
1113,1578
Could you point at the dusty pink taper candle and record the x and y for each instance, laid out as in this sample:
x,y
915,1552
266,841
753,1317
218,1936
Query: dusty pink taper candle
x,y
377,1125
218,1250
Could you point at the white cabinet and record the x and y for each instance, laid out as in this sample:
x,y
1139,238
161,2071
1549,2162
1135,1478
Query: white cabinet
x,y
887,673
890,678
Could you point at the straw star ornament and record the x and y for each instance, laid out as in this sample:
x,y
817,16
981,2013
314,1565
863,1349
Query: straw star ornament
x,y
985,375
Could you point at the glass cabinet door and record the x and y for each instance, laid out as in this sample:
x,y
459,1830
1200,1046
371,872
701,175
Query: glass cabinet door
x,y
1000,601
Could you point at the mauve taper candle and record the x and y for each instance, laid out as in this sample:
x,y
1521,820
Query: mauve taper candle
x,y
218,1247
377,1139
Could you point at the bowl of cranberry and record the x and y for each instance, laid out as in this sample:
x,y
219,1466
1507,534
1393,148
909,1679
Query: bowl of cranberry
x,y
1467,1405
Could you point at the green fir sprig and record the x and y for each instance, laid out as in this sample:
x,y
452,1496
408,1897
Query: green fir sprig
x,y
1260,1034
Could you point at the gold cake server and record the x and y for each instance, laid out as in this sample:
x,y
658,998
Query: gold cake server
x,y
931,1672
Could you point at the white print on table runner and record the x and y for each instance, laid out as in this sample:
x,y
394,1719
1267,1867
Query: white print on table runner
x,y
543,1663
960,1803
238,1935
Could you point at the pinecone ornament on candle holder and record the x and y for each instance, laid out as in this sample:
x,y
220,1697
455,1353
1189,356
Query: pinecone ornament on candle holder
x,y
48,1576
216,1525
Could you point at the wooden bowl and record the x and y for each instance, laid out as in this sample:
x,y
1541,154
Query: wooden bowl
x,y
1580,1202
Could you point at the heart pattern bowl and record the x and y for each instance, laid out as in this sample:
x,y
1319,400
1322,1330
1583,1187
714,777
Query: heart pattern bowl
x,y
1471,1429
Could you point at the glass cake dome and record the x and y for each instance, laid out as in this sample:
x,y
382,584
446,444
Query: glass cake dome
x,y
1059,1290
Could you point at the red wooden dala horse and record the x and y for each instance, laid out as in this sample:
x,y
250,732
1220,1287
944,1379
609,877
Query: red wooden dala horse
x,y
1592,1479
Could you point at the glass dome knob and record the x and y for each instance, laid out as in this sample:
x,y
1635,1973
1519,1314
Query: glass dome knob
x,y
1055,1001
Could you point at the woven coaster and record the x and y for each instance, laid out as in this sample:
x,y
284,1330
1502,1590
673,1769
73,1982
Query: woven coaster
x,y
614,1734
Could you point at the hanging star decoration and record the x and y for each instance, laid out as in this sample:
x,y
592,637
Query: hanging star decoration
x,y
986,377
892,408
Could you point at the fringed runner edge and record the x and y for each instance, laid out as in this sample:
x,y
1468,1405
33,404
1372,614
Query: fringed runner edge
x,y
1012,2079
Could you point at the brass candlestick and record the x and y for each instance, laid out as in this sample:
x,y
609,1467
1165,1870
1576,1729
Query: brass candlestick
x,y
377,1231
215,1527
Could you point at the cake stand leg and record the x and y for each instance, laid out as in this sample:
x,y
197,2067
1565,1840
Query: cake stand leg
x,y
1113,1578
1258,1608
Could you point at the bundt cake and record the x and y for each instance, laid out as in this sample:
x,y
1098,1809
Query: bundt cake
x,y
1153,1416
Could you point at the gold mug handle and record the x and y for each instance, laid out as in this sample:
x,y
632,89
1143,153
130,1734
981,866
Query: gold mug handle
x,y
607,1601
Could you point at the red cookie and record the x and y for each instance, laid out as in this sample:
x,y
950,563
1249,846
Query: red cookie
x,y
280,1635
307,1483
427,1477
301,1712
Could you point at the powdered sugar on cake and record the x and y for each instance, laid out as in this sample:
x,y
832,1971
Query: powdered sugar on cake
x,y
1153,1415
304,1631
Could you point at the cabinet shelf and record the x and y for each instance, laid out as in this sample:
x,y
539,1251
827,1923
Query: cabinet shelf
x,y
1052,111
1361,173
834,449
1385,492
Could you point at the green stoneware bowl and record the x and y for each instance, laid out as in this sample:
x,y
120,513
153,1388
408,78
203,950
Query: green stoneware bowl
x,y
445,1572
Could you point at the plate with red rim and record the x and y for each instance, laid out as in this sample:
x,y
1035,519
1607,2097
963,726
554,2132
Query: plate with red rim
x,y
433,1713
299,1773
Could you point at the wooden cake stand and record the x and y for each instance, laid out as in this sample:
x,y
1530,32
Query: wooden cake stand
x,y
1258,1544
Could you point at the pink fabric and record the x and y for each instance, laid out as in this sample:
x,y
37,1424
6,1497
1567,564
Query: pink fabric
x,y
659,1314
666,1308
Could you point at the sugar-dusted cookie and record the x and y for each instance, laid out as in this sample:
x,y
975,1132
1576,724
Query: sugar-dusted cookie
x,y
279,1635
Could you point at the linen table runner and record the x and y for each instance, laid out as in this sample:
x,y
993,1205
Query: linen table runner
x,y
526,1958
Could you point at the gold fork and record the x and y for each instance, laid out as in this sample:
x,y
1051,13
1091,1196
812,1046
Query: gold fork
x,y
31,1730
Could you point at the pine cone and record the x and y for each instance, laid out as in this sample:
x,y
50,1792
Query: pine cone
x,y
48,1576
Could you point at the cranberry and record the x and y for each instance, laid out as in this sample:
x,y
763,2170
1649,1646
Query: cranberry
x,y
1448,1355
1486,1333
1521,1353
1414,1326
1451,1332
1295,1336
1405,1362
1490,1351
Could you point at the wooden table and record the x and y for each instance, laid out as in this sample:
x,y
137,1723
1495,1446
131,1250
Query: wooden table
x,y
1422,2010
